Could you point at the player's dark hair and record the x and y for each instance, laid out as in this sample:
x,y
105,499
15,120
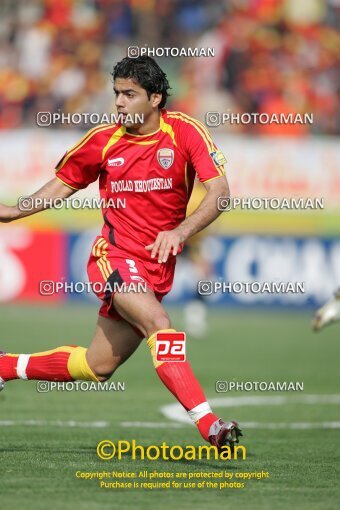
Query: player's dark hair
x,y
145,72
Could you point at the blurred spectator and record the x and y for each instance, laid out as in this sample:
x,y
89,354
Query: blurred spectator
x,y
270,56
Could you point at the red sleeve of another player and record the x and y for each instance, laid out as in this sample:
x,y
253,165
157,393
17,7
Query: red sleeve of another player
x,y
207,160
81,165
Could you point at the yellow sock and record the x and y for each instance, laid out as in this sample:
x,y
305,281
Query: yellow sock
x,y
53,365
152,344
78,366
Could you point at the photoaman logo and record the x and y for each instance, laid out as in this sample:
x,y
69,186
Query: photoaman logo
x,y
107,450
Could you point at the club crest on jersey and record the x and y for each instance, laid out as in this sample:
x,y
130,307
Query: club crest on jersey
x,y
165,157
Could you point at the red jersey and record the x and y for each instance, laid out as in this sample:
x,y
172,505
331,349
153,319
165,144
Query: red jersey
x,y
145,180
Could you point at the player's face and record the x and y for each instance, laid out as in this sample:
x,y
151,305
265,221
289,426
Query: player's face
x,y
132,100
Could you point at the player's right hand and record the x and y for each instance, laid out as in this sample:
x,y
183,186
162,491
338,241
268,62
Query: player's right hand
x,y
7,213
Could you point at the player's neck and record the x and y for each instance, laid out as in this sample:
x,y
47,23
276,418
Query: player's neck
x,y
151,125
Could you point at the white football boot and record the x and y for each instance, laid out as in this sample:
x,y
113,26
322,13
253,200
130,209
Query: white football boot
x,y
328,313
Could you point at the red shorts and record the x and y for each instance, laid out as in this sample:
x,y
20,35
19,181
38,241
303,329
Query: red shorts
x,y
110,267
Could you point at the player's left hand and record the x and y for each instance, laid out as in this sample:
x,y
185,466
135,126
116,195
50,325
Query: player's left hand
x,y
165,242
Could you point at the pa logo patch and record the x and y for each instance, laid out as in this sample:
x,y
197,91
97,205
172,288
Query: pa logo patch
x,y
170,346
165,157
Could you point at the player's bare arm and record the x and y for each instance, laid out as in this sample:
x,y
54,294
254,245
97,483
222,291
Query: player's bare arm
x,y
205,214
52,190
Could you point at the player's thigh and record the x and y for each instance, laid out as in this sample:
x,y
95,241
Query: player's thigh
x,y
143,310
112,344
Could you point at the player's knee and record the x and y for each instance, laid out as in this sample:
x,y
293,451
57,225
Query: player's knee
x,y
158,323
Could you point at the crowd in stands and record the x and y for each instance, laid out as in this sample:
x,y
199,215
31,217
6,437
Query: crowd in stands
x,y
270,56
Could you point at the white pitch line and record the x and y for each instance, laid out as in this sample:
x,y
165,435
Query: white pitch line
x,y
295,426
152,424
176,413
244,425
64,424
179,417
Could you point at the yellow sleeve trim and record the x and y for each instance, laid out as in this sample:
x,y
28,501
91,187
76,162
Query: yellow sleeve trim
x,y
212,178
205,135
68,185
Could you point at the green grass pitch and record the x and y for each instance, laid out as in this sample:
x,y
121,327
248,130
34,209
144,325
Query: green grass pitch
x,y
38,462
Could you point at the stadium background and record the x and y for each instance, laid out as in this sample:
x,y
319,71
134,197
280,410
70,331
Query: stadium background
x,y
271,56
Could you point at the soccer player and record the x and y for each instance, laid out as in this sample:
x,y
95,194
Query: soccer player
x,y
148,170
